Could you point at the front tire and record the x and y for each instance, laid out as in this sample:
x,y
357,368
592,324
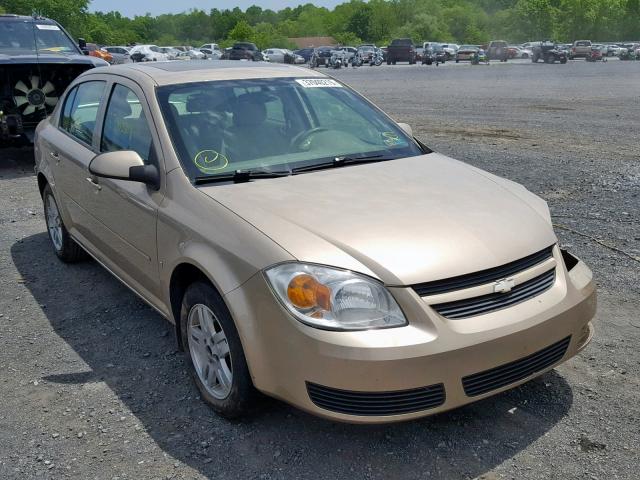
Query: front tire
x,y
214,352
64,246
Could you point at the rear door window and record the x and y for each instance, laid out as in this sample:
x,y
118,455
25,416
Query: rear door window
x,y
81,110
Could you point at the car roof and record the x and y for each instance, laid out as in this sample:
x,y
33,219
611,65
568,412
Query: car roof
x,y
25,18
170,73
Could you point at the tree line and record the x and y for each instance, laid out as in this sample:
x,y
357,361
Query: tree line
x,y
353,22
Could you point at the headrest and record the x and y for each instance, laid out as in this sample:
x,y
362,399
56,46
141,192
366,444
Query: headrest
x,y
199,102
250,109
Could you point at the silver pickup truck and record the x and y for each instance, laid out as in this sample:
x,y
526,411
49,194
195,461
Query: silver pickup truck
x,y
580,48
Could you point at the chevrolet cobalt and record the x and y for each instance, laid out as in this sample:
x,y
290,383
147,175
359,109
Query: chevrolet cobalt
x,y
304,244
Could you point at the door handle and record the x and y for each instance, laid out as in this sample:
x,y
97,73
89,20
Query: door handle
x,y
55,156
94,183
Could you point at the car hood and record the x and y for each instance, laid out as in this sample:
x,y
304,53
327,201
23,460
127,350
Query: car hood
x,y
405,221
47,58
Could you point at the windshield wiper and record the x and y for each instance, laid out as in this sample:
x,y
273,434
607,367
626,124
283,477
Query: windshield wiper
x,y
340,162
240,176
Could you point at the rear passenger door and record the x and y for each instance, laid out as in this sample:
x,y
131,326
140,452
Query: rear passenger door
x,y
71,147
128,210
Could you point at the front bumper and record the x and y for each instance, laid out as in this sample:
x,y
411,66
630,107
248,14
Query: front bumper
x,y
285,357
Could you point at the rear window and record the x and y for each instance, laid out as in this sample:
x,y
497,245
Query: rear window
x,y
402,41
583,43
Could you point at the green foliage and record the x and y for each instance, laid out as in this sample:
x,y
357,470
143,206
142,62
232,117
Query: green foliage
x,y
353,22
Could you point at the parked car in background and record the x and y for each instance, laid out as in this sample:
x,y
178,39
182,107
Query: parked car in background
x,y
450,49
171,52
191,54
349,52
548,52
147,53
518,52
305,53
213,50
597,54
466,53
498,50
433,53
401,50
321,56
297,59
613,50
95,51
38,60
269,236
278,55
120,54
365,52
245,51
580,49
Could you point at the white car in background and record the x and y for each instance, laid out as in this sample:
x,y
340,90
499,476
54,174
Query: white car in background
x,y
170,52
450,50
281,55
297,59
274,55
120,54
148,53
211,50
519,52
191,54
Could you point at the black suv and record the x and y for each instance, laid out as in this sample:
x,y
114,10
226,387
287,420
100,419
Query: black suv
x,y
38,60
245,51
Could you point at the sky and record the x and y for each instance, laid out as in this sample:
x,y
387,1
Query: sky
x,y
130,8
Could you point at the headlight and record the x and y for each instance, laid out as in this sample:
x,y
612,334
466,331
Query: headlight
x,y
333,299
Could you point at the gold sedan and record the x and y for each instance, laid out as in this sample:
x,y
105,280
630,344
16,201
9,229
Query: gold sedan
x,y
304,244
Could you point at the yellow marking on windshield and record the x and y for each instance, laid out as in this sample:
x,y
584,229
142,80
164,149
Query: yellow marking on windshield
x,y
391,139
210,161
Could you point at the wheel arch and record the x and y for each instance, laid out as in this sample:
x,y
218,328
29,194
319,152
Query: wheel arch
x,y
42,182
183,275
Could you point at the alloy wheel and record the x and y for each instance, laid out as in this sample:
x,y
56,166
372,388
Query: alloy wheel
x,y
54,222
209,349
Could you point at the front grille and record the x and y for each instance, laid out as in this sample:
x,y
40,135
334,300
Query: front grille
x,y
484,276
470,307
376,403
498,377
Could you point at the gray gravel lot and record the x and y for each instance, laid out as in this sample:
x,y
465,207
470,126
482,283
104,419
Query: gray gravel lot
x,y
92,385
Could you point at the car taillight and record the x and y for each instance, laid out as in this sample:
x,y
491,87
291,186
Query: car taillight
x,y
573,49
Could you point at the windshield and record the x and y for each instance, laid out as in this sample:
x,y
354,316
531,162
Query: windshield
x,y
275,125
22,37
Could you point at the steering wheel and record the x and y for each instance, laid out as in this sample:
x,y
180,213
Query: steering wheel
x,y
298,140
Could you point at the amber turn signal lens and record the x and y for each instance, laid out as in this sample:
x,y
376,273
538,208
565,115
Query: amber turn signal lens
x,y
304,291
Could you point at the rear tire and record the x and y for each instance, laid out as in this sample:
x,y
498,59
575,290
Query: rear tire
x,y
63,245
214,352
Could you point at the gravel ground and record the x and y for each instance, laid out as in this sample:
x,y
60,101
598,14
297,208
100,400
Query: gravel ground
x,y
92,385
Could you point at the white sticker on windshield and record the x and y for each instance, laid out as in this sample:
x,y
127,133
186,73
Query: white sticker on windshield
x,y
40,26
318,83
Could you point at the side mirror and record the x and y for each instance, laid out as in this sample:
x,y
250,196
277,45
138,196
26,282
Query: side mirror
x,y
407,129
125,165
82,43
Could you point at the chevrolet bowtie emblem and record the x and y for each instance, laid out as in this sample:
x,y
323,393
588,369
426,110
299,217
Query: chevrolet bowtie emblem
x,y
503,286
